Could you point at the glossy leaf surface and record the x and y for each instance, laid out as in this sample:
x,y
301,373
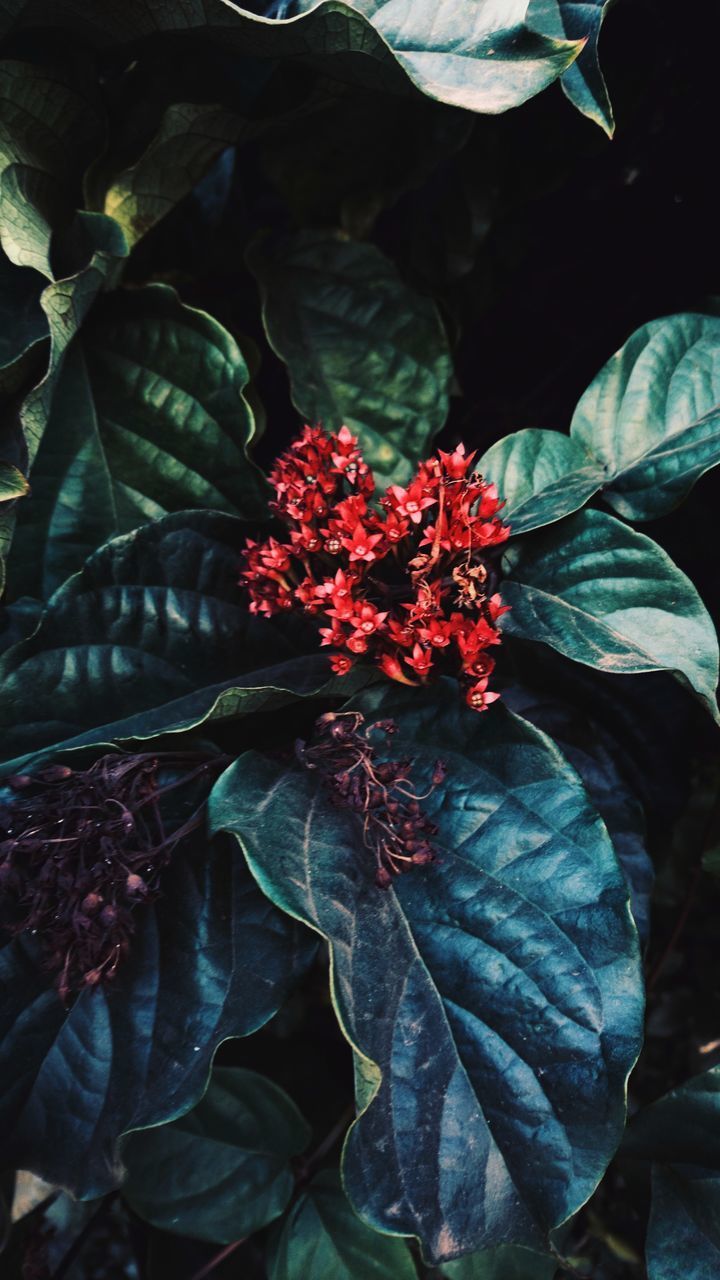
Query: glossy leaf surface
x,y
465,52
652,414
148,416
680,1135
583,82
542,476
497,993
607,596
211,959
362,349
222,1170
323,1237
151,636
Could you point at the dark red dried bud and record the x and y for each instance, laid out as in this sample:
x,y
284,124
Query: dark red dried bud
x,y
80,851
394,827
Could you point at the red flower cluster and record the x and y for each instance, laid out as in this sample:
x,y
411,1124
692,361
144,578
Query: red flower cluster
x,y
403,580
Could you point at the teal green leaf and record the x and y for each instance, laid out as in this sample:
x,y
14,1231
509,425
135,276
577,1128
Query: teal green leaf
x,y
609,597
680,1135
222,1170
362,349
583,82
498,993
148,417
599,760
542,475
652,414
152,636
322,1236
471,54
211,959
51,127
507,1262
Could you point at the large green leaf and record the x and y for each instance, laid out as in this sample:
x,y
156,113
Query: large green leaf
x,y
680,1135
652,414
466,52
51,127
507,1262
211,959
65,303
323,1238
583,82
361,347
223,1170
493,1001
599,760
607,596
542,475
152,636
148,417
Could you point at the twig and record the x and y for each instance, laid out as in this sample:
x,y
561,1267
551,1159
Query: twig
x,y
218,1258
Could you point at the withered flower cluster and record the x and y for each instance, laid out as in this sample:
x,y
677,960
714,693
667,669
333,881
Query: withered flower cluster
x,y
395,829
80,850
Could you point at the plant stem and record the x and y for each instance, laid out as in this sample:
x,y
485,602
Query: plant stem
x,y
678,930
330,1139
83,1236
219,1257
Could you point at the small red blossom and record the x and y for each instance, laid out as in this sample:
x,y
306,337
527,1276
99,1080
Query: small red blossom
x,y
361,544
408,581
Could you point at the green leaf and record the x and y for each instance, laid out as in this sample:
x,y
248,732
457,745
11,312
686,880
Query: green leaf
x,y
211,959
189,138
583,82
599,760
542,475
652,414
361,347
223,1170
507,1262
65,304
148,416
152,636
12,482
498,994
52,126
611,598
680,1135
323,1237
476,56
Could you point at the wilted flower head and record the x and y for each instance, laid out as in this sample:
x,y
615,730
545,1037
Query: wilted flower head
x,y
80,850
403,581
395,829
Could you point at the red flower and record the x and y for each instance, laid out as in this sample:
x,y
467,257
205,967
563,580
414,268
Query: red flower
x,y
361,544
384,581
410,502
367,619
340,663
421,660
